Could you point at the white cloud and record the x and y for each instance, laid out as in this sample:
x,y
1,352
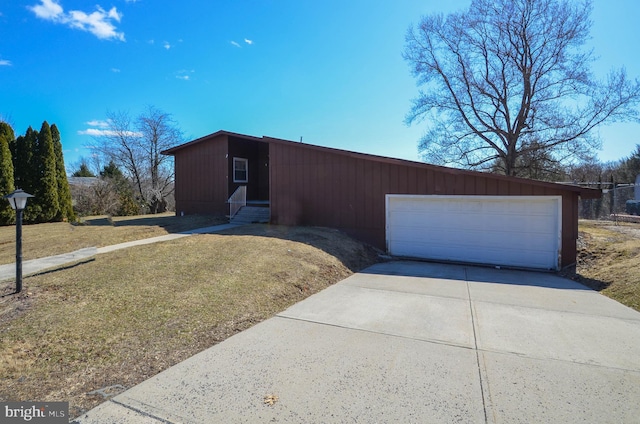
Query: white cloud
x,y
101,129
167,45
184,74
48,9
115,70
114,14
233,43
98,123
249,42
100,22
96,132
5,62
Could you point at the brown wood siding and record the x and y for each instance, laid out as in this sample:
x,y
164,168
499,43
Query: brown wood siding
x,y
569,229
326,188
201,185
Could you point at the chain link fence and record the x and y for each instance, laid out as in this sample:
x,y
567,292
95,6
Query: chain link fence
x,y
617,203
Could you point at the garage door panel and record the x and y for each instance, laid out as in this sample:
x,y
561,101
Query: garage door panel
x,y
447,252
502,230
463,239
427,250
523,257
457,207
474,224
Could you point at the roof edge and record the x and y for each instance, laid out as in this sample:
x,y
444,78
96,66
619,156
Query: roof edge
x,y
583,192
173,150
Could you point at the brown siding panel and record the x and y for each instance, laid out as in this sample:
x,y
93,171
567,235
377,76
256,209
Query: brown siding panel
x,y
328,211
431,188
313,162
439,183
569,229
470,184
201,188
369,189
335,194
341,194
421,181
515,189
275,169
457,184
393,178
378,201
402,180
492,187
412,184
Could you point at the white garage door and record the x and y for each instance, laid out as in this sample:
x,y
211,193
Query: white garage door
x,y
518,231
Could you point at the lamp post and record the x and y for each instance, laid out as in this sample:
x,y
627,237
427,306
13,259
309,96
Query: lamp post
x,y
18,201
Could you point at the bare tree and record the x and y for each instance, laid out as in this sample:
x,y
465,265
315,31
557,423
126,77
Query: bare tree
x,y
160,132
135,145
534,163
509,79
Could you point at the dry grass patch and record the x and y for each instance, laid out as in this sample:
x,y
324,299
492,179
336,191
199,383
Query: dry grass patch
x,y
127,315
609,260
62,237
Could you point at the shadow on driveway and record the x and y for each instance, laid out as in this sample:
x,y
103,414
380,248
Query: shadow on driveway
x,y
476,274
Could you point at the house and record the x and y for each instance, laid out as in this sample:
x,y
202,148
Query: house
x,y
406,208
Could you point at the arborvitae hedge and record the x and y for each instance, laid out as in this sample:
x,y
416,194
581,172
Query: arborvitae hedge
x,y
23,167
47,185
37,167
65,211
7,215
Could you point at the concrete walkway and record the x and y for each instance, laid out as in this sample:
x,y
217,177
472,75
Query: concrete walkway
x,y
409,342
34,266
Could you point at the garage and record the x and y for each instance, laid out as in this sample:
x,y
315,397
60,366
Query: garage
x,y
512,231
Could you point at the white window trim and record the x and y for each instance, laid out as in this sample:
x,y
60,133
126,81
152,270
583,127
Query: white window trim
x,y
246,170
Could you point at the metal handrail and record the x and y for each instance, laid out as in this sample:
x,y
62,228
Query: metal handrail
x,y
237,200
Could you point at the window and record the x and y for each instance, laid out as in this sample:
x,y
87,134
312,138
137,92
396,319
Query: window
x,y
240,170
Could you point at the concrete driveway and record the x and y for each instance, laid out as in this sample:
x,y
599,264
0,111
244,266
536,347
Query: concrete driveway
x,y
411,342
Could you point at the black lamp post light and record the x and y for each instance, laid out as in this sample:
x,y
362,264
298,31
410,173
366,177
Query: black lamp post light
x,y
18,201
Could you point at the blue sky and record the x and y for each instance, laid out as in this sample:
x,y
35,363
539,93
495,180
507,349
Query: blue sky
x,y
329,71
